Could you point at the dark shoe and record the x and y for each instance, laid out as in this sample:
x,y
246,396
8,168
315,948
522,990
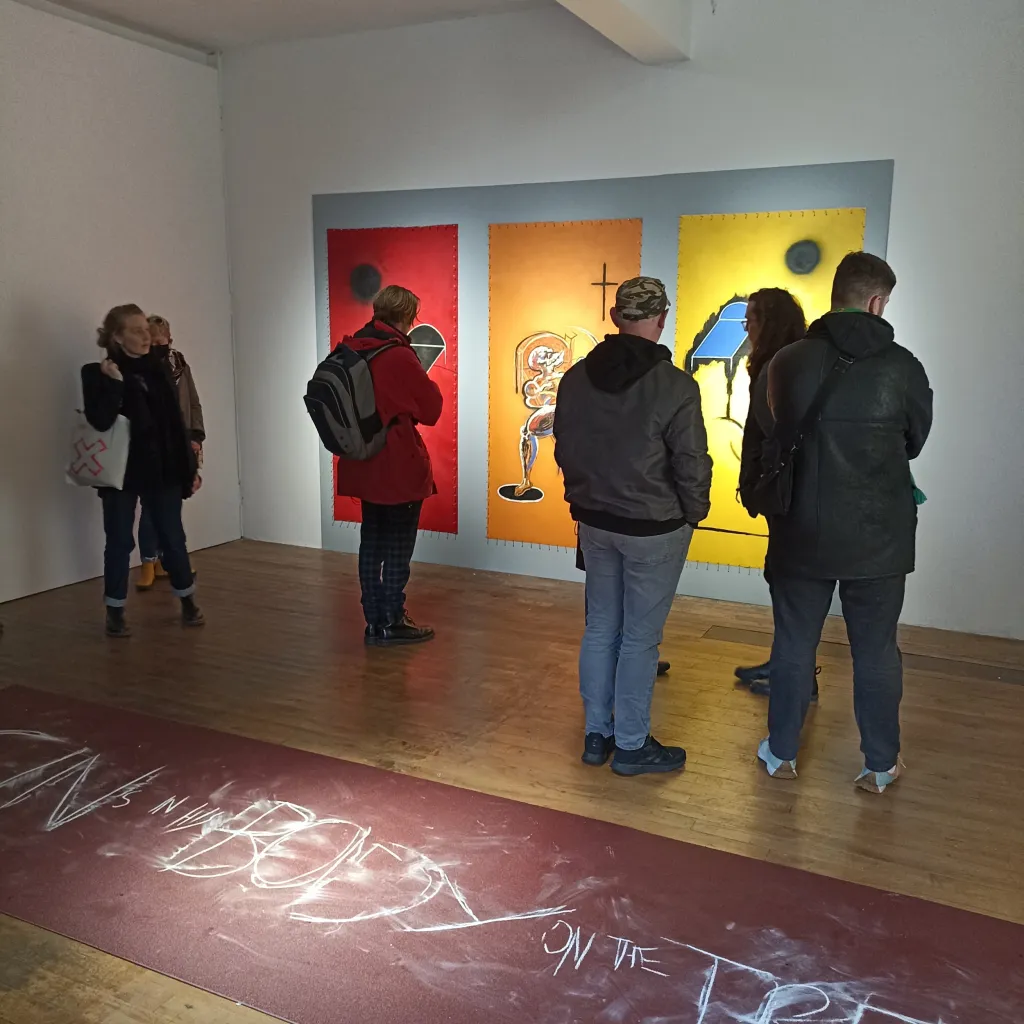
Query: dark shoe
x,y
404,632
117,627
757,674
651,757
191,614
663,668
372,635
763,688
597,749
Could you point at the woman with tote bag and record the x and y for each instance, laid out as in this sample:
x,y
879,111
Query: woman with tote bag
x,y
161,469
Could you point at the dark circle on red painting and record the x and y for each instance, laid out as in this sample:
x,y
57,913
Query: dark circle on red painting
x,y
365,281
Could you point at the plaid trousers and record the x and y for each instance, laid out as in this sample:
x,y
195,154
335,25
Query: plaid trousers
x,y
386,543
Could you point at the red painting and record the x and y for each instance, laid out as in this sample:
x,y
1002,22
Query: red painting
x,y
361,261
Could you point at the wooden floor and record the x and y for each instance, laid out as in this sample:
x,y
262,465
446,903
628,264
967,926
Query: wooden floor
x,y
492,705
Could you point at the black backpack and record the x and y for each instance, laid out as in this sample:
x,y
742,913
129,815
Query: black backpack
x,y
341,403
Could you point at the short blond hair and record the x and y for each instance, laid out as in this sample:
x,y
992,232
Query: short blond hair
x,y
396,305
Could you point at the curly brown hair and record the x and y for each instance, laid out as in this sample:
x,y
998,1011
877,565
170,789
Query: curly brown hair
x,y
782,323
113,324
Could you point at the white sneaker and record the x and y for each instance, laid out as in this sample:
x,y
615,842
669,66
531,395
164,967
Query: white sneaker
x,y
777,768
877,782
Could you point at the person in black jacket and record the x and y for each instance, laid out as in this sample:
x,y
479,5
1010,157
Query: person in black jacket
x,y
161,472
853,516
631,444
774,320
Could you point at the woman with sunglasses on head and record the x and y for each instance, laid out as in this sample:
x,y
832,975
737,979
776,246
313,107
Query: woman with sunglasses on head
x,y
192,412
161,472
774,320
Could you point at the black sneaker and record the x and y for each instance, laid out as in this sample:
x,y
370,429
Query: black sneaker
x,y
404,632
372,635
663,668
651,757
191,614
763,688
597,749
757,674
117,627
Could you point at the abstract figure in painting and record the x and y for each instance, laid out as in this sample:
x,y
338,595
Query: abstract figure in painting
x,y
542,359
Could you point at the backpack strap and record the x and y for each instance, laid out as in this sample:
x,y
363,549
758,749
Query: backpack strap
x,y
824,392
370,356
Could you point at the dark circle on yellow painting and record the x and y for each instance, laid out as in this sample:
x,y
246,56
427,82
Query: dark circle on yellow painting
x,y
803,257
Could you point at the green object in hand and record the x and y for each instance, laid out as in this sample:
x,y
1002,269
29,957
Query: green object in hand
x,y
919,496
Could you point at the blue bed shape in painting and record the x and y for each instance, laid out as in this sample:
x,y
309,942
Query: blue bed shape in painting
x,y
725,340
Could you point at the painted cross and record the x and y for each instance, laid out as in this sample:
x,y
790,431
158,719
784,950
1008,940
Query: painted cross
x,y
86,460
604,284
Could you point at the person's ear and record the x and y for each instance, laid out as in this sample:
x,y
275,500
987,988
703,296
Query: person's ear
x,y
613,314
663,319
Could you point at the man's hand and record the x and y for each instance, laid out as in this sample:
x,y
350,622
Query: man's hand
x,y
197,482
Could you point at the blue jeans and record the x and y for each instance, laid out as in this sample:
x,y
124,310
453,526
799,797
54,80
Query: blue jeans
x,y
164,508
631,582
872,610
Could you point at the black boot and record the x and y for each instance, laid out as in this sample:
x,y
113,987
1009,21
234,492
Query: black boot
x,y
762,687
663,668
404,631
757,674
651,757
117,627
191,613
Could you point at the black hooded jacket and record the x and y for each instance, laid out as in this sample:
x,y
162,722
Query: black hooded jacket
x,y
630,440
853,514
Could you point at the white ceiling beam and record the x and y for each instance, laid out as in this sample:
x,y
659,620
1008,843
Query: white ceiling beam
x,y
207,57
653,31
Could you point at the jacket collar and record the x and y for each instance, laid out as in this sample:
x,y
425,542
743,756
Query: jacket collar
x,y
377,330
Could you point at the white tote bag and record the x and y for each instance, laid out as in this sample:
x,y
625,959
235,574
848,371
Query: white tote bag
x,y
98,457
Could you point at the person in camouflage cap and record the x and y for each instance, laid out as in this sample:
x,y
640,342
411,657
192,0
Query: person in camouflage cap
x,y
641,298
631,444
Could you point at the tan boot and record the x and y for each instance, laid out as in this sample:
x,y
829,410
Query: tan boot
x,y
147,576
158,568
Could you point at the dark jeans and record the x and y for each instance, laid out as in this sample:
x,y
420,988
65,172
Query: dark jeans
x,y
386,543
149,546
164,509
872,610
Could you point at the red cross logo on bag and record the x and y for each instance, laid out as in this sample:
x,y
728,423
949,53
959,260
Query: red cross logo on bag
x,y
87,461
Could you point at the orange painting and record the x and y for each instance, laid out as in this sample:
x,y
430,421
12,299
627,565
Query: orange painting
x,y
551,286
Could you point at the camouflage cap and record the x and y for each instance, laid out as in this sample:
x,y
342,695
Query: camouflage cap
x,y
641,298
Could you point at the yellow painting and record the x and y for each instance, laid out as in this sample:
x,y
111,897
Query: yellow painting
x,y
551,286
723,258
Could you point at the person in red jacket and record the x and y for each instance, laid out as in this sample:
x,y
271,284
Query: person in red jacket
x,y
393,485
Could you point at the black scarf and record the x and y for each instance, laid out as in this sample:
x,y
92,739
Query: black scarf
x,y
159,445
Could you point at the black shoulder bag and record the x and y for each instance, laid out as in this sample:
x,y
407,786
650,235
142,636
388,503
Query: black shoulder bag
x,y
772,494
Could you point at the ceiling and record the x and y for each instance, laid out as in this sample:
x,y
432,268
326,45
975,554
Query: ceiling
x,y
222,24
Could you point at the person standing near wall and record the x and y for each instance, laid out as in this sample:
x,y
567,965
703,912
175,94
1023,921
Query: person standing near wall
x,y
853,516
631,444
192,412
393,485
774,320
133,382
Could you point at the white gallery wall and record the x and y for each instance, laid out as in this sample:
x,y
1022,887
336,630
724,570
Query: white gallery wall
x,y
934,85
111,191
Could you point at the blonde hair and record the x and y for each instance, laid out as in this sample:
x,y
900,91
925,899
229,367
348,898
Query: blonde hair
x,y
395,305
